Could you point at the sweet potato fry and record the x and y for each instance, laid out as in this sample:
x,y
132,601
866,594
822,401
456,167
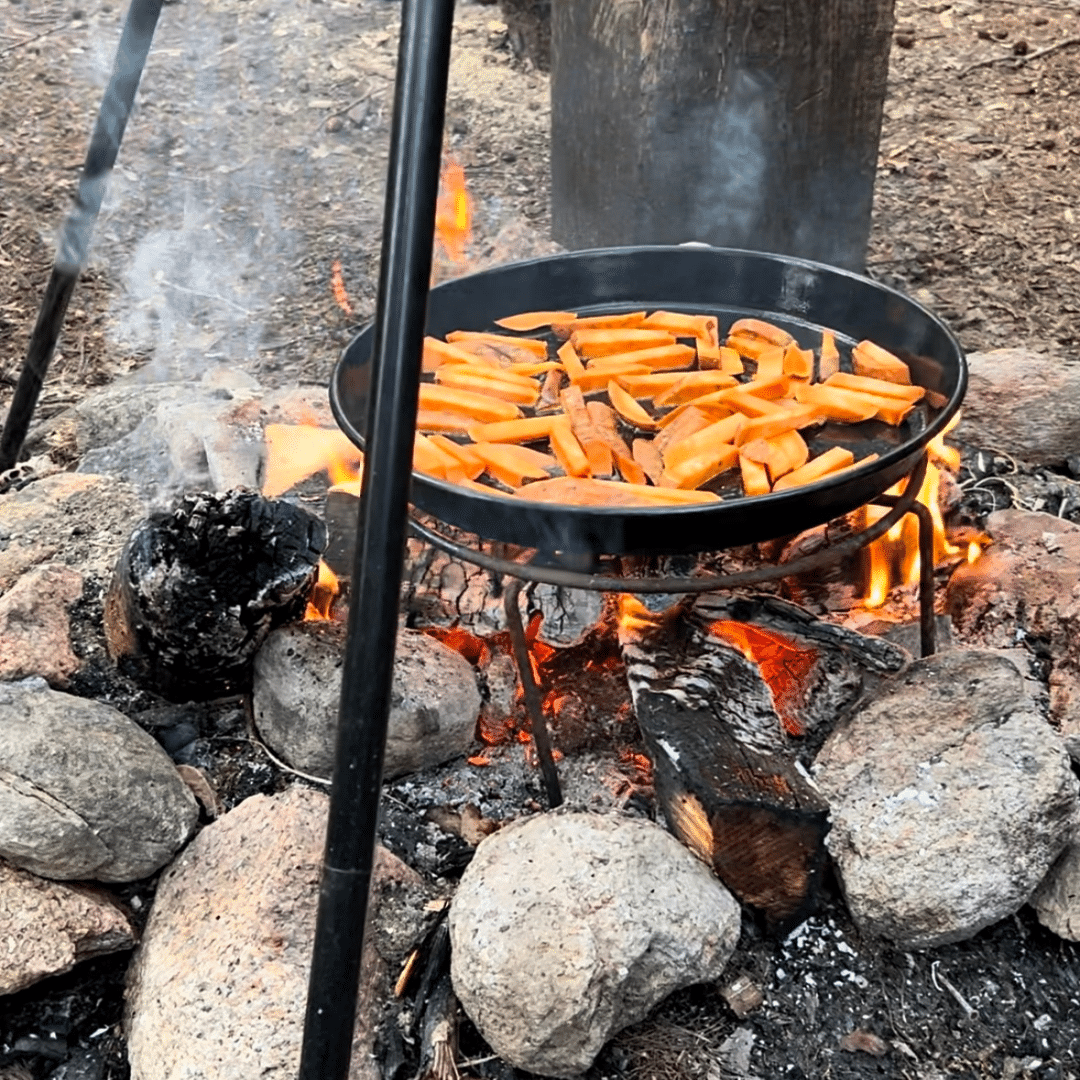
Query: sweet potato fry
x,y
596,450
703,442
570,360
627,321
770,364
468,465
700,469
695,326
753,406
512,465
876,386
549,393
479,408
780,454
662,358
718,358
593,343
443,420
765,427
755,477
581,491
834,403
799,363
519,390
530,429
839,457
829,356
690,420
891,410
534,320
749,347
694,385
567,449
648,457
437,353
878,363
430,459
534,368
500,355
758,328
593,380
534,345
628,407
603,418
649,386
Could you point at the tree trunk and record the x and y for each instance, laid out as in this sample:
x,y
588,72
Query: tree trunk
x,y
738,123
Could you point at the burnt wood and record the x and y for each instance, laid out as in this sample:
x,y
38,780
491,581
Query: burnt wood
x,y
726,774
196,591
741,123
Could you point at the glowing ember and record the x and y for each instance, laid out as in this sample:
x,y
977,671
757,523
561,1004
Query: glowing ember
x,y
296,451
474,649
320,604
337,283
784,665
453,212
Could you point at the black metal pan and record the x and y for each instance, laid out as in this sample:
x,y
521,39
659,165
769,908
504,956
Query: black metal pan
x,y
801,296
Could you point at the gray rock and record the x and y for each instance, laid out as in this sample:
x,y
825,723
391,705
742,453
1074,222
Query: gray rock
x,y
85,792
35,635
1057,899
568,927
218,986
48,928
950,800
1019,398
297,686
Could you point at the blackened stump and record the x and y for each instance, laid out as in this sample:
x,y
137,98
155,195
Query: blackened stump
x,y
197,590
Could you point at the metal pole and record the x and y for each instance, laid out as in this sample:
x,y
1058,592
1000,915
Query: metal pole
x,y
400,316
112,118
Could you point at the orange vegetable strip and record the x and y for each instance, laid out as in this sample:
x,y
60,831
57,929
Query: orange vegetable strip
x,y
856,464
648,457
499,355
514,464
648,386
719,357
694,385
780,454
741,396
695,326
480,407
662,358
586,492
770,364
834,403
765,427
468,466
798,362
437,353
489,375
469,378
443,420
689,422
534,368
592,381
593,343
570,360
705,441
596,450
534,320
549,393
628,408
878,363
567,449
749,347
627,321
430,459
876,386
760,329
889,409
513,431
699,470
603,417
484,489
829,356
838,457
749,405
755,477
533,345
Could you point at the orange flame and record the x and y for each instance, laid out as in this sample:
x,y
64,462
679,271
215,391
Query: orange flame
x,y
296,451
453,212
320,604
337,283
633,615
783,664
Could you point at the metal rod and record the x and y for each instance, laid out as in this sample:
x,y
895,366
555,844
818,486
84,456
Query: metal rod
x,y
367,675
533,705
573,579
927,615
74,246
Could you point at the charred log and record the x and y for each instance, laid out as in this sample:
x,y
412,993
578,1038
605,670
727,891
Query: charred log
x,y
720,726
196,591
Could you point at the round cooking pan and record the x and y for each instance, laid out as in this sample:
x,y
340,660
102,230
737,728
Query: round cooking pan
x,y
803,297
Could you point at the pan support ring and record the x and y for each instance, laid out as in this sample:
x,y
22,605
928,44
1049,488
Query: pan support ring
x,y
536,567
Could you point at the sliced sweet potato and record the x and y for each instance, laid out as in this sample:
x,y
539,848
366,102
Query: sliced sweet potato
x,y
695,326
798,363
662,358
755,477
719,358
876,386
833,460
429,458
479,408
437,353
596,450
603,417
518,389
535,320
748,347
690,420
649,386
695,384
582,491
443,420
753,406
501,354
834,403
627,321
567,449
468,465
700,469
549,393
529,429
534,345
770,364
759,328
649,458
765,427
829,356
512,465
703,442
780,455
570,360
593,343
628,408
878,363
593,380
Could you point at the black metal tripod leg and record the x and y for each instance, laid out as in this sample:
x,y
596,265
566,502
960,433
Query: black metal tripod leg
x,y
927,618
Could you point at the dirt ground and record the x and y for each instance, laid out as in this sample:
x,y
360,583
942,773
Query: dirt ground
x,y
256,158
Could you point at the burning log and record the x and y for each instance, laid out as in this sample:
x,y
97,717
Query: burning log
x,y
719,690
196,591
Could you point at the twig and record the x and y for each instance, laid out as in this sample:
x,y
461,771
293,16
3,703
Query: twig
x,y
342,111
964,1004
1020,61
30,40
253,738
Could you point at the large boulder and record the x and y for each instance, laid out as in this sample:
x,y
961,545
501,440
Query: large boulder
x,y
950,799
84,791
567,927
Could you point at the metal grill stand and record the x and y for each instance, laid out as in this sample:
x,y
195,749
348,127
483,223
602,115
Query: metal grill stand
x,y
542,572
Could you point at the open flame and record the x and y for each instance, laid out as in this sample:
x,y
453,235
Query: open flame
x,y
453,212
894,558
320,603
337,286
